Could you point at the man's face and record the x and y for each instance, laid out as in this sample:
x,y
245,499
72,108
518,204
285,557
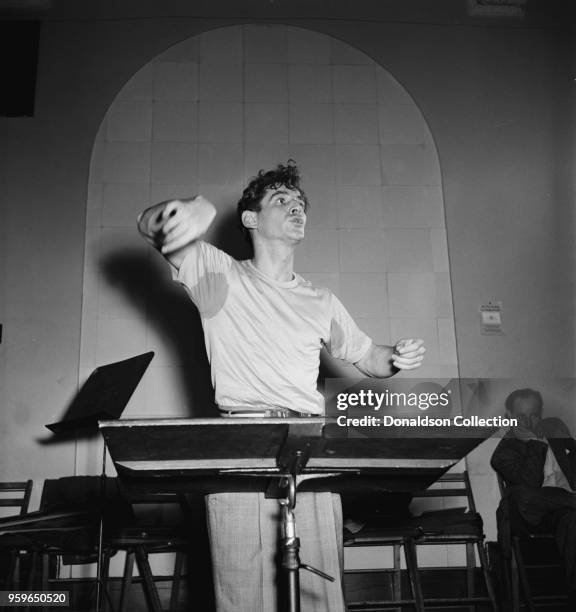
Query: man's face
x,y
282,215
528,412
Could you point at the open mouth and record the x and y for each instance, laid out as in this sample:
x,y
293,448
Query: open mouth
x,y
297,220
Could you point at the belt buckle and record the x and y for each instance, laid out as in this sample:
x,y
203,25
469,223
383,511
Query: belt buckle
x,y
278,413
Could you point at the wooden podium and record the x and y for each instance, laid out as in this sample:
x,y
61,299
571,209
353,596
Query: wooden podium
x,y
280,456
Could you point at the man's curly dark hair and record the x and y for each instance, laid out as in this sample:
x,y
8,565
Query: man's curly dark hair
x,y
282,176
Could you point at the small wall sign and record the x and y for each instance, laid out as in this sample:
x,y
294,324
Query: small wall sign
x,y
491,319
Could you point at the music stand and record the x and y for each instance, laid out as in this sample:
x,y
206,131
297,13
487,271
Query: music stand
x,y
103,396
212,455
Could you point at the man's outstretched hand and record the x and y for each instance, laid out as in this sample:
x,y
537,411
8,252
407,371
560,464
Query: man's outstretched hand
x,y
172,225
408,353
383,361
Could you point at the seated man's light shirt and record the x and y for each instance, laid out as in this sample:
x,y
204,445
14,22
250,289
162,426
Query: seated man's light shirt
x,y
553,474
264,337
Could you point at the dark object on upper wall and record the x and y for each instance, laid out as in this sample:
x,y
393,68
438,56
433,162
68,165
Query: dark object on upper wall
x,y
18,64
497,8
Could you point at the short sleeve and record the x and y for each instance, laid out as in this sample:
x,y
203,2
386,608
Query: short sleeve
x,y
347,341
204,274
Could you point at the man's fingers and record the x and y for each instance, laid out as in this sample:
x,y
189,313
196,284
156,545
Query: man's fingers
x,y
180,222
171,209
173,219
411,354
197,212
159,221
408,360
407,345
407,363
410,349
407,367
156,223
408,353
176,231
173,245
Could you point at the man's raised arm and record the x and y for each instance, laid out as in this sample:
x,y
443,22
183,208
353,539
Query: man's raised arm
x,y
173,226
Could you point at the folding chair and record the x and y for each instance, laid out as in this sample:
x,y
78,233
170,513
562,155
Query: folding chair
x,y
138,543
15,497
525,556
462,526
121,533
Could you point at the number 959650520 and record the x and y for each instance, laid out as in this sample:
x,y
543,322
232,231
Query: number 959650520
x,y
34,598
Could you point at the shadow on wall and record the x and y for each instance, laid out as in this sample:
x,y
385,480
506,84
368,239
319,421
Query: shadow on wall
x,y
168,308
226,234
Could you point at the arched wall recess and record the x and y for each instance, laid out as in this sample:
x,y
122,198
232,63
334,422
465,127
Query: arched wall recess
x,y
205,116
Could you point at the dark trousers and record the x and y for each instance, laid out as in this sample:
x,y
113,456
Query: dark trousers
x,y
549,510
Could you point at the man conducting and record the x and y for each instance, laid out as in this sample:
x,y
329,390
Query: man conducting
x,y
264,328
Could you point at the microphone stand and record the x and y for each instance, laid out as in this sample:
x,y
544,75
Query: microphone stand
x,y
290,548
101,533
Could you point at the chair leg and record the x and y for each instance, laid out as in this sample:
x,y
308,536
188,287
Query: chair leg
x,y
126,579
397,579
487,577
32,580
44,574
178,565
522,575
515,583
106,602
147,579
470,567
33,570
12,577
412,565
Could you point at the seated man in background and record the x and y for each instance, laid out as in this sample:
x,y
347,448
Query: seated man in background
x,y
537,461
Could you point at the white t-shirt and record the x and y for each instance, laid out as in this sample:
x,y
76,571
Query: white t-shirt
x,y
263,337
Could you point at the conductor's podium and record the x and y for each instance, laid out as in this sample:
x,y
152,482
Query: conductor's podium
x,y
279,456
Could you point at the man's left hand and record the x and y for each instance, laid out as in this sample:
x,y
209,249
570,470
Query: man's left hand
x,y
408,353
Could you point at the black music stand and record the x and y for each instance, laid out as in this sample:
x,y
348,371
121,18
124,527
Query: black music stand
x,y
159,456
103,396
